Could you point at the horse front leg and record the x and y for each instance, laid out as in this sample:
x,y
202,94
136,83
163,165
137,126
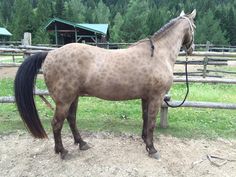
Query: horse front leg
x,y
145,118
57,123
71,118
153,108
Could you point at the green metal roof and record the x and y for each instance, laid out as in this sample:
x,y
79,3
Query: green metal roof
x,y
101,28
96,28
4,32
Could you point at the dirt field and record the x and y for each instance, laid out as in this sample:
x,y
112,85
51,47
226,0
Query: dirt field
x,y
110,155
8,72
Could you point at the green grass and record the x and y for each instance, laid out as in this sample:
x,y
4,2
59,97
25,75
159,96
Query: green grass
x,y
99,115
9,59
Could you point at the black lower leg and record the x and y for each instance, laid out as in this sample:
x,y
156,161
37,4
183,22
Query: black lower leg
x,y
153,108
71,118
57,126
145,118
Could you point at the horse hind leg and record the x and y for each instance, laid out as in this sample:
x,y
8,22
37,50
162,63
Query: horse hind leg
x,y
57,124
71,118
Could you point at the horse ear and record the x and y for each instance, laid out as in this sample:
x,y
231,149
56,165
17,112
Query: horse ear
x,y
193,14
182,13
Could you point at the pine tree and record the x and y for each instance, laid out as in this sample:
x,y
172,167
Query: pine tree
x,y
75,11
41,36
116,28
208,29
101,13
121,6
231,26
6,11
59,8
23,18
43,14
135,19
157,18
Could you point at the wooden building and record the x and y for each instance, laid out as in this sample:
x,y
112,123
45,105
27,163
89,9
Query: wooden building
x,y
4,34
67,32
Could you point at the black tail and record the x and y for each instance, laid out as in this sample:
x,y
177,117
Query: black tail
x,y
24,86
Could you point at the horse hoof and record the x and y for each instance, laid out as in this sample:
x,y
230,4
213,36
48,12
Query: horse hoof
x,y
155,156
84,147
64,154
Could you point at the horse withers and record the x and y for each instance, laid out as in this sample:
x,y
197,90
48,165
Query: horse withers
x,y
142,71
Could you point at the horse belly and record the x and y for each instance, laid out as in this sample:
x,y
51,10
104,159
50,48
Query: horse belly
x,y
114,90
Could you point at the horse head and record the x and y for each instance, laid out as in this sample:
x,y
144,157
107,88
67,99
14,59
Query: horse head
x,y
188,42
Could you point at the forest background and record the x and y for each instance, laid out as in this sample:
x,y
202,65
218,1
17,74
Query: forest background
x,y
129,20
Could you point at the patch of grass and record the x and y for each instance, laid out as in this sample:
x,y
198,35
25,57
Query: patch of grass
x,y
99,115
9,59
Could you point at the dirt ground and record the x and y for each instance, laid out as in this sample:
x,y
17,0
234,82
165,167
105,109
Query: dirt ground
x,y
8,72
113,155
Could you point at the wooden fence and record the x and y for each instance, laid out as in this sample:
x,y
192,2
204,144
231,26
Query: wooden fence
x,y
207,61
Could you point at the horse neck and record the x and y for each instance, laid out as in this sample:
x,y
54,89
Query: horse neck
x,y
171,41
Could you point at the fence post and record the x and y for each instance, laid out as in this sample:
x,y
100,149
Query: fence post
x,y
208,46
205,62
27,39
164,117
13,58
164,113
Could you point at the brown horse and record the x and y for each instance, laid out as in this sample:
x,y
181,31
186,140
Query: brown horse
x,y
142,71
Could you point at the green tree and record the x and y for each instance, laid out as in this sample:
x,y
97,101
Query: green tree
x,y
43,14
208,29
135,19
230,26
90,7
41,36
116,28
6,11
22,19
101,13
157,17
75,11
43,11
121,6
59,8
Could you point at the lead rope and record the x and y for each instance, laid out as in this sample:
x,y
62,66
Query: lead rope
x,y
187,87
